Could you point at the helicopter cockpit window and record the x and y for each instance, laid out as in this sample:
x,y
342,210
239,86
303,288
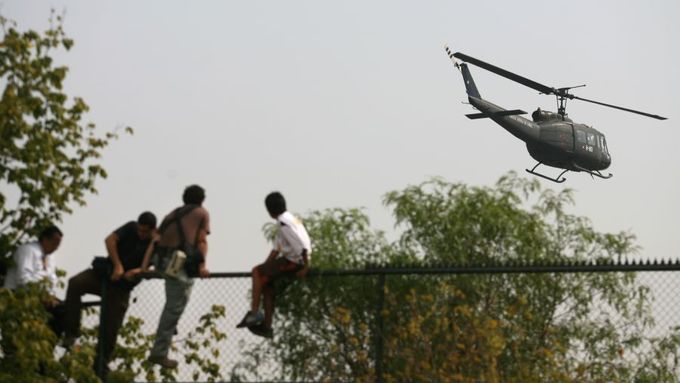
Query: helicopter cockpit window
x,y
603,144
580,136
591,139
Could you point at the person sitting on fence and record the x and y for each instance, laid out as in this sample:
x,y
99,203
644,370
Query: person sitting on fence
x,y
34,263
126,247
179,255
289,257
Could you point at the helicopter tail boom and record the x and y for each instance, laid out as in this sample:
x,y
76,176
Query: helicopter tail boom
x,y
469,81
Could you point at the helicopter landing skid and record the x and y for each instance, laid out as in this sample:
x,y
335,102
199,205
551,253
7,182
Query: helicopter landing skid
x,y
595,173
557,180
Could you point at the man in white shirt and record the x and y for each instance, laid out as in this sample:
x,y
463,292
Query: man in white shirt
x,y
289,257
33,263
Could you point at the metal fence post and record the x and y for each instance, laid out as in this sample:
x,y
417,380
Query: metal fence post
x,y
99,361
379,330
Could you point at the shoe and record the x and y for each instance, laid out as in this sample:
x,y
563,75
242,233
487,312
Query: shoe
x,y
262,330
162,361
251,319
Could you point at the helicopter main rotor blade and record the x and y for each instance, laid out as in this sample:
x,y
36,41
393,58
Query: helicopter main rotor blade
x,y
509,75
619,107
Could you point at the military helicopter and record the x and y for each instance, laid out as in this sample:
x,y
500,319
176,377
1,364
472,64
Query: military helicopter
x,y
552,139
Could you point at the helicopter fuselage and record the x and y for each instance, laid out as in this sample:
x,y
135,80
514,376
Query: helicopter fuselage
x,y
551,138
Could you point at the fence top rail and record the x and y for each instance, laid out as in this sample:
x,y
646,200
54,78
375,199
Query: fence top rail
x,y
508,268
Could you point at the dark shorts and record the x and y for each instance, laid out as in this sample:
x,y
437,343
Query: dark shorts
x,y
279,267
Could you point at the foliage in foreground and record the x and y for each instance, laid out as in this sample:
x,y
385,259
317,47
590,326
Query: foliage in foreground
x,y
27,343
29,352
49,158
579,327
200,351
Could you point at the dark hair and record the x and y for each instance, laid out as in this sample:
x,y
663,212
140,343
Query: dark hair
x,y
193,195
275,203
148,219
49,232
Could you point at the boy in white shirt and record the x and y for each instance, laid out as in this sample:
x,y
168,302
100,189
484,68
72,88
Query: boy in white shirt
x,y
289,257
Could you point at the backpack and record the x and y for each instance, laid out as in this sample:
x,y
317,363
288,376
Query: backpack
x,y
194,258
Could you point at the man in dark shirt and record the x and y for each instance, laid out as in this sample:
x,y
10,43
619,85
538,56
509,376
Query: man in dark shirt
x,y
126,247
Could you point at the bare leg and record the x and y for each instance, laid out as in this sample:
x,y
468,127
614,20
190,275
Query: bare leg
x,y
257,290
268,305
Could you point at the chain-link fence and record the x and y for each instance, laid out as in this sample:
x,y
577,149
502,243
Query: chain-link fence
x,y
488,323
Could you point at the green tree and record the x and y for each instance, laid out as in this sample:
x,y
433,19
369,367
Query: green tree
x,y
27,346
27,343
48,162
200,350
467,328
48,155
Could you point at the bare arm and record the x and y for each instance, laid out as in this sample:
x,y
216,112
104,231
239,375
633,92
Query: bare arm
x,y
202,243
111,247
202,246
149,251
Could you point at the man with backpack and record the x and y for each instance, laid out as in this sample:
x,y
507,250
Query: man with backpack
x,y
179,255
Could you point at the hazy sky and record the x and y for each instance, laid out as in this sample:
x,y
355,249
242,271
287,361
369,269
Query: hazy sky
x,y
337,103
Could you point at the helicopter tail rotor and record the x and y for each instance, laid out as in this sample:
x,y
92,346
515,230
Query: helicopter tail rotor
x,y
470,86
450,54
